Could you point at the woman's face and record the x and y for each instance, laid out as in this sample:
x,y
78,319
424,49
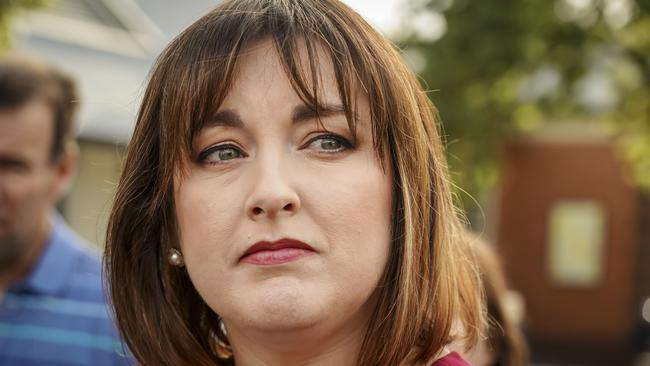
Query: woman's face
x,y
284,223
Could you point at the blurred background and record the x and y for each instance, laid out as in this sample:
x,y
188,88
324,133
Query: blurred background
x,y
545,107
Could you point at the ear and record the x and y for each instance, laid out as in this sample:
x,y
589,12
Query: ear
x,y
66,169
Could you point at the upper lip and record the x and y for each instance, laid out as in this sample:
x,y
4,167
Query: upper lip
x,y
276,245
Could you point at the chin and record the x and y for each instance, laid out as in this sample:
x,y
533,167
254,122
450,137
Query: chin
x,y
279,306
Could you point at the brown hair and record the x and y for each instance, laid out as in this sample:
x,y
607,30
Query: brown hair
x,y
430,281
23,79
504,335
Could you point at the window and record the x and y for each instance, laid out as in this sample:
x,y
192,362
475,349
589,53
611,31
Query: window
x,y
576,240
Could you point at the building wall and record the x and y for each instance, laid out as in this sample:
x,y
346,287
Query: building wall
x,y
537,176
87,206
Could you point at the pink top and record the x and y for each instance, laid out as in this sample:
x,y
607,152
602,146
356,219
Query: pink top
x,y
452,359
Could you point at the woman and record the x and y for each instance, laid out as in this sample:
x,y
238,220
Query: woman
x,y
284,201
505,344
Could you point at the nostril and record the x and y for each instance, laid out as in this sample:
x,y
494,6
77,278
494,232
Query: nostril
x,y
288,207
257,211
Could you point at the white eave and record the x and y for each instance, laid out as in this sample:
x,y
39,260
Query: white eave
x,y
109,59
137,36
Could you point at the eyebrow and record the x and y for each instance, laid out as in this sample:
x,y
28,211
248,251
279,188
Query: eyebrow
x,y
304,113
13,161
301,113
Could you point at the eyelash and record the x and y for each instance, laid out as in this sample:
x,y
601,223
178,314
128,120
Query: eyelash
x,y
203,156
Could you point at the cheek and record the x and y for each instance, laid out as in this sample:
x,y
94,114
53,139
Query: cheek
x,y
206,222
30,193
359,232
207,219
357,218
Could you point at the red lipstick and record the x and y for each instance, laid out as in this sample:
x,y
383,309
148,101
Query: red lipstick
x,y
276,252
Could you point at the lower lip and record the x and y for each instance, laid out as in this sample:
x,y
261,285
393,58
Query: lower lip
x,y
278,256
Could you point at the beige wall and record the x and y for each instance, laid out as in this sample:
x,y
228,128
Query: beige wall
x,y
87,206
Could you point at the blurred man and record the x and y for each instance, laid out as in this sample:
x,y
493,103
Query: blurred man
x,y
52,309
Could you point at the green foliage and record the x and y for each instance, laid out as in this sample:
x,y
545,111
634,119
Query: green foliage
x,y
503,67
8,8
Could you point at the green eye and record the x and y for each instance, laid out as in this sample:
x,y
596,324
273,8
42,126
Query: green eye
x,y
227,154
219,154
329,143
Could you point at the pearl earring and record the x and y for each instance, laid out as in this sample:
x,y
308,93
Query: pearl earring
x,y
175,258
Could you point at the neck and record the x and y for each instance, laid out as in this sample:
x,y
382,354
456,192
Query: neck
x,y
443,352
28,257
308,347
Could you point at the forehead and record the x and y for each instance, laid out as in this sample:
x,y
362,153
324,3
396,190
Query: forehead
x,y
293,70
27,130
261,68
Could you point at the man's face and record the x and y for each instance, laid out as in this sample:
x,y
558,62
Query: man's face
x,y
29,180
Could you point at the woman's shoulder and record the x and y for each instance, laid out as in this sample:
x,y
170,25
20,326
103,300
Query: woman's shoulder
x,y
451,359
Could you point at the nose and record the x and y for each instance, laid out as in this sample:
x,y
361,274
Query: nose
x,y
272,194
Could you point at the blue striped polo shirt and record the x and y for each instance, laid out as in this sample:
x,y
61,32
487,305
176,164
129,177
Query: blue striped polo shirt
x,y
57,315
